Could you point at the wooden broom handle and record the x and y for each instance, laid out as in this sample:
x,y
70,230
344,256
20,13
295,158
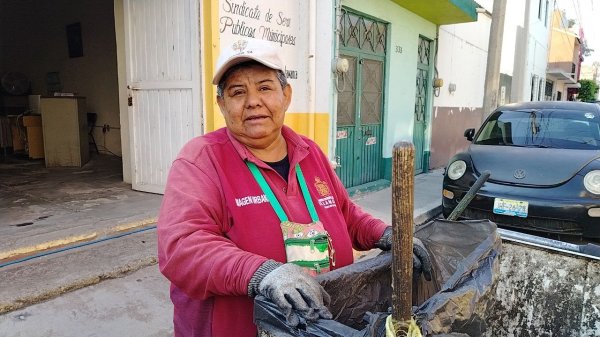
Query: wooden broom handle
x,y
402,230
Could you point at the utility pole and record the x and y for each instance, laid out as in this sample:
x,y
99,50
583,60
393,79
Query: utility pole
x,y
492,71
521,76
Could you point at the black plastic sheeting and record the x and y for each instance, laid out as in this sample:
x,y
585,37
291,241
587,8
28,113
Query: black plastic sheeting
x,y
465,257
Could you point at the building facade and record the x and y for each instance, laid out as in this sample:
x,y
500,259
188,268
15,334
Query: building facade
x,y
525,50
461,64
362,72
523,64
563,60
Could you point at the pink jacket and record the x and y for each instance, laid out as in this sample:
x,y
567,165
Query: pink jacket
x,y
216,227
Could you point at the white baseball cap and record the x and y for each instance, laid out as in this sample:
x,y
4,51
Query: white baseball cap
x,y
247,50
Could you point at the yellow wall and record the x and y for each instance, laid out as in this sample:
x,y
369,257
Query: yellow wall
x,y
210,52
316,129
562,44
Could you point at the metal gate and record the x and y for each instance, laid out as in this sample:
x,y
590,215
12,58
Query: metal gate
x,y
163,81
360,100
421,102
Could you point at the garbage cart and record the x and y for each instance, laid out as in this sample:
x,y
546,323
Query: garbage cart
x,y
465,257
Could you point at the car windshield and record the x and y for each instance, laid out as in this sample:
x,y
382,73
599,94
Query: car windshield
x,y
546,128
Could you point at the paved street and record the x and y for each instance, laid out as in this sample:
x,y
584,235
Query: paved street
x,y
109,288
134,305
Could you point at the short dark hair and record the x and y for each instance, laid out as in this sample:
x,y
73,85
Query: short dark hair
x,y
221,86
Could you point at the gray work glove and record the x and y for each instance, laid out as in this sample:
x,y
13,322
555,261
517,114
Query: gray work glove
x,y
294,291
421,258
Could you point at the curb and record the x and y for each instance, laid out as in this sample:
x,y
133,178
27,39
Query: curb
x,y
48,294
70,240
39,280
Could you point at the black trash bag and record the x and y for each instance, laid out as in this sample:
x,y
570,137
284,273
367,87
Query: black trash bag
x,y
465,257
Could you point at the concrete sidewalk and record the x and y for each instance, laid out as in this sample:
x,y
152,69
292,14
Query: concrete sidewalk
x,y
427,198
47,208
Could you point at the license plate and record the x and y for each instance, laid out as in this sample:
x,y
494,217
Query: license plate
x,y
511,207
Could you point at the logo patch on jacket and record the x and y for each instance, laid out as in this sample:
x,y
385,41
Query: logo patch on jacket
x,y
326,200
251,200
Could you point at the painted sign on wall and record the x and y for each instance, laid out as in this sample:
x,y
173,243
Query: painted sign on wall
x,y
283,23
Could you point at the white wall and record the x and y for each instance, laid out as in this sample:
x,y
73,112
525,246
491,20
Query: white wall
x,y
286,18
540,35
325,36
514,18
122,91
462,61
525,45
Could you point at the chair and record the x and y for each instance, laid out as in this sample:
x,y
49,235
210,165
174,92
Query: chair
x,y
92,117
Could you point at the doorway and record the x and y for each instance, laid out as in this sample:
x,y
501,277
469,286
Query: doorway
x,y
422,98
359,131
61,57
163,85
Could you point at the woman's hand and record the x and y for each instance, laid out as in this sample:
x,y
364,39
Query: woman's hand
x,y
296,293
421,258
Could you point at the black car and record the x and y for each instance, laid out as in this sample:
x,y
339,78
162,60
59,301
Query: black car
x,y
544,159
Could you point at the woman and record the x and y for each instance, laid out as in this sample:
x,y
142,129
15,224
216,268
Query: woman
x,y
254,208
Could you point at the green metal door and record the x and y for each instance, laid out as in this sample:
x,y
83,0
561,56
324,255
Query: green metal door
x,y
421,103
360,100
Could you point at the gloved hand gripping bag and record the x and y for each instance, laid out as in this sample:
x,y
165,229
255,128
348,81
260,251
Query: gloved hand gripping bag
x,y
465,257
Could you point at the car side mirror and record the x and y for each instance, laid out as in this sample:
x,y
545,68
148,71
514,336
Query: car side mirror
x,y
469,133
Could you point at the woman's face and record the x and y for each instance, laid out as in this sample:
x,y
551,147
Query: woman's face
x,y
254,105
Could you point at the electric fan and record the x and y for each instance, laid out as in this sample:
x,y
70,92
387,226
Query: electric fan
x,y
15,83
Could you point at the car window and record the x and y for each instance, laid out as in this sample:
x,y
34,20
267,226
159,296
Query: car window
x,y
542,128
